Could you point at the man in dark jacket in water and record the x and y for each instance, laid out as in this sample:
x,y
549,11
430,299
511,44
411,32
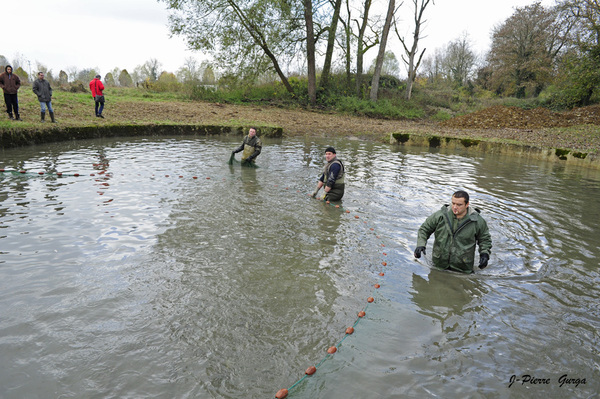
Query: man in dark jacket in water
x,y
251,147
457,229
332,177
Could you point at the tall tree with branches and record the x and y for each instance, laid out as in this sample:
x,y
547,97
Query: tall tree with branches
x,y
413,57
524,49
579,68
331,36
244,36
362,44
380,56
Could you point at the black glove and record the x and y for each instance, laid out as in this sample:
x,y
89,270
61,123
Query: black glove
x,y
483,260
233,152
418,252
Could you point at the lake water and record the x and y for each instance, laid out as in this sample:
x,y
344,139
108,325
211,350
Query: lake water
x,y
163,272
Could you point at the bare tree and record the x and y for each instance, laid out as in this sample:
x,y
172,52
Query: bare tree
x,y
380,56
72,72
412,61
390,65
459,60
331,30
433,66
310,52
151,69
363,47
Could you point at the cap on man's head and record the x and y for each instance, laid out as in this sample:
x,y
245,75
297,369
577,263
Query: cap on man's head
x,y
97,76
330,149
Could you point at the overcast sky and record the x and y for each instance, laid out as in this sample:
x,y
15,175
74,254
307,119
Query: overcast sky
x,y
126,33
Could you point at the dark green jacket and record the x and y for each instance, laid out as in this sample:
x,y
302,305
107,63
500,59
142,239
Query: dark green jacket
x,y
455,249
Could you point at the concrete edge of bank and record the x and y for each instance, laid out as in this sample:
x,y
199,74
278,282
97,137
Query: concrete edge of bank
x,y
558,155
10,138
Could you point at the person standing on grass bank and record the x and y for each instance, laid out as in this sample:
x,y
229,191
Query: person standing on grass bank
x,y
10,84
251,147
96,87
43,91
457,229
332,177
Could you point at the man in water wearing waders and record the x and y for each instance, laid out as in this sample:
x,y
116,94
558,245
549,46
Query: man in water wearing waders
x,y
457,229
251,145
332,177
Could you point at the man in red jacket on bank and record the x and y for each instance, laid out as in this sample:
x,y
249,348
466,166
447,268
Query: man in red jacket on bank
x,y
96,87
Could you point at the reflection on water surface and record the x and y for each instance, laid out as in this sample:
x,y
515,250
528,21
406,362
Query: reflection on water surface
x,y
169,273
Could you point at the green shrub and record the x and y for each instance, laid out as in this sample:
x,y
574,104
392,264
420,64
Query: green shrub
x,y
441,116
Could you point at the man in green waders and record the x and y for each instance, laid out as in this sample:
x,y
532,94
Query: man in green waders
x,y
251,147
332,177
457,228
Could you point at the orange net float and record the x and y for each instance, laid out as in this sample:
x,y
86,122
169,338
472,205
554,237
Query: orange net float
x,y
181,177
40,173
328,202
382,274
332,350
195,177
22,171
337,206
347,211
384,263
384,254
282,393
361,313
59,174
2,170
370,299
76,175
311,370
356,216
208,178
377,286
371,229
166,175
349,330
